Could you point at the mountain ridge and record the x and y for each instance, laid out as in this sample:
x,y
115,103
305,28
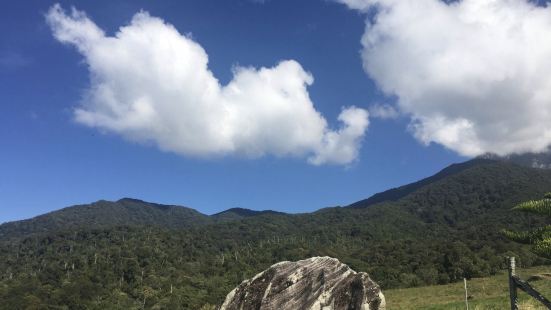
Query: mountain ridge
x,y
125,211
441,232
540,160
399,192
104,213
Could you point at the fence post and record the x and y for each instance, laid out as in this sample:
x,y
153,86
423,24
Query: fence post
x,y
512,284
466,294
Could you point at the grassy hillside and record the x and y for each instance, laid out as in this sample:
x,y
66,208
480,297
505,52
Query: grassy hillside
x,y
438,233
484,293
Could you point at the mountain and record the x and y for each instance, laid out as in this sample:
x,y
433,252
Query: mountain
x,y
127,212
134,212
395,194
101,214
235,214
131,253
530,160
533,160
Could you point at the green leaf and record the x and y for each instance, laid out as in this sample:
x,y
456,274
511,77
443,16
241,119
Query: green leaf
x,y
520,237
542,207
543,248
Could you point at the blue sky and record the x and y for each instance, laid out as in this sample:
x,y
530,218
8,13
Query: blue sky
x,y
49,160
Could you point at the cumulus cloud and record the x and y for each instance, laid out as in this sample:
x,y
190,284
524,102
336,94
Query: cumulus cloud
x,y
475,76
149,83
341,146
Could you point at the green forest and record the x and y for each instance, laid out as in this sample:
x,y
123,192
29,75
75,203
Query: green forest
x,y
131,254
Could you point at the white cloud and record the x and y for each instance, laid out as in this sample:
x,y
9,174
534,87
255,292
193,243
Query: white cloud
x,y
341,147
149,83
474,75
360,5
383,111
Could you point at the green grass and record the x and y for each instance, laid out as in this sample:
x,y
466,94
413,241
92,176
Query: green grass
x,y
485,293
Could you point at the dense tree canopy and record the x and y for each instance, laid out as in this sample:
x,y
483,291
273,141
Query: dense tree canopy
x,y
437,233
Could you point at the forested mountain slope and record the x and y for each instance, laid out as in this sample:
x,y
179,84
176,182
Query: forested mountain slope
x,y
439,232
400,192
234,214
534,160
105,214
124,212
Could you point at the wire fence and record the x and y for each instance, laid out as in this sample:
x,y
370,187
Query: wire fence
x,y
516,283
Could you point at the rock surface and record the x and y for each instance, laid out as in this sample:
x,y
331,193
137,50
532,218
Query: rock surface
x,y
318,283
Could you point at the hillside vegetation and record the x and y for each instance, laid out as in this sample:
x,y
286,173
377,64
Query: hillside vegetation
x,y
437,233
106,214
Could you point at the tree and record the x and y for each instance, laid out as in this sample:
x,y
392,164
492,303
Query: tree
x,y
148,292
539,238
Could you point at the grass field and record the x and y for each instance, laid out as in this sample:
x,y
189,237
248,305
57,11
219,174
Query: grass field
x,y
485,293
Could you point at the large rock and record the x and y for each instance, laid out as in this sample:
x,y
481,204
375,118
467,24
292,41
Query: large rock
x,y
318,283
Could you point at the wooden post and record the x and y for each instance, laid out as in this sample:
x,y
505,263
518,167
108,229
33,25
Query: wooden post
x,y
466,294
512,284
523,285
